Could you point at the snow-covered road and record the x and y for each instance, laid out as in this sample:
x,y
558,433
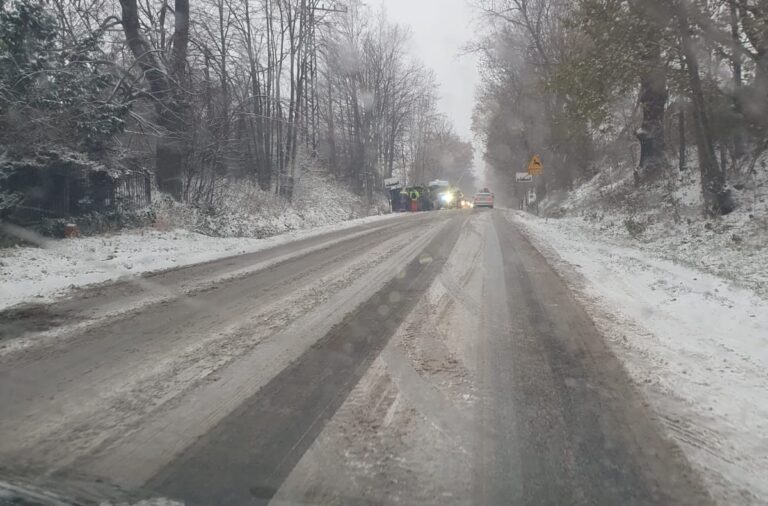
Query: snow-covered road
x,y
436,358
116,379
42,274
695,344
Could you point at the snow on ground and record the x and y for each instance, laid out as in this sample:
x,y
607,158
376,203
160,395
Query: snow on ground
x,y
696,343
404,433
665,219
242,209
42,274
241,219
12,493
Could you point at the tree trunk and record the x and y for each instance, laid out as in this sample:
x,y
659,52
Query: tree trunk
x,y
754,98
224,80
653,102
716,200
738,133
169,154
180,38
269,107
169,163
261,164
682,153
332,159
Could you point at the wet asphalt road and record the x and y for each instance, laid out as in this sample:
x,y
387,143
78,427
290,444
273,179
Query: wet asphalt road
x,y
222,405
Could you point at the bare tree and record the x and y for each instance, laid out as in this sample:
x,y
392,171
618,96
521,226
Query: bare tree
x,y
165,90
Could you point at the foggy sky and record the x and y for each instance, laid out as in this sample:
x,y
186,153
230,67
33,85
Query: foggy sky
x,y
440,28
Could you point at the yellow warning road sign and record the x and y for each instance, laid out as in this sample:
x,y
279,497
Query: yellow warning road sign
x,y
535,167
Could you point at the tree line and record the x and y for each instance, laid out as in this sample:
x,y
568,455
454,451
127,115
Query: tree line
x,y
589,82
205,91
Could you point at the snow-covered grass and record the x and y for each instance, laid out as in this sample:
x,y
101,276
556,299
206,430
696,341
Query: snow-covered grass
x,y
242,209
665,218
696,343
42,274
242,219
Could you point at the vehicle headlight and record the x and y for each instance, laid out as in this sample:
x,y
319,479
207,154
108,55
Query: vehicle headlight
x,y
447,198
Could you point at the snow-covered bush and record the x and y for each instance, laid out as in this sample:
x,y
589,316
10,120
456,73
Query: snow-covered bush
x,y
667,217
241,209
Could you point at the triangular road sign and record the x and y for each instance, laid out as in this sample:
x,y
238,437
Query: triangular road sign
x,y
535,167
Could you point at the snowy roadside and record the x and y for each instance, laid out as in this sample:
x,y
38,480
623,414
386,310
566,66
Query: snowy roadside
x,y
734,246
44,274
696,344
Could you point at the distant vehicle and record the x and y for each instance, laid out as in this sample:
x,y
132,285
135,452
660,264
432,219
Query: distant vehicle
x,y
450,198
439,183
484,199
440,194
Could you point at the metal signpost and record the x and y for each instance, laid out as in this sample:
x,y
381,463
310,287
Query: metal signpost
x,y
392,184
523,177
535,168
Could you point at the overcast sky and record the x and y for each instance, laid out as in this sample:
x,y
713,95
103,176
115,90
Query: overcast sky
x,y
440,28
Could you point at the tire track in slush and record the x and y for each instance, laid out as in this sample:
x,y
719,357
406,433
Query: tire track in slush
x,y
254,449
85,421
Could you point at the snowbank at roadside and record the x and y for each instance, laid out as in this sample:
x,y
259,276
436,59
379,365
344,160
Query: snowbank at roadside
x,y
31,274
242,209
695,343
664,218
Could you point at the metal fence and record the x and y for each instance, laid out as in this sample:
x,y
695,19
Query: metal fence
x,y
132,191
38,193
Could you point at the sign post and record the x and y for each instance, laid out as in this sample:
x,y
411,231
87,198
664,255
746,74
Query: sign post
x,y
523,177
535,168
392,184
533,200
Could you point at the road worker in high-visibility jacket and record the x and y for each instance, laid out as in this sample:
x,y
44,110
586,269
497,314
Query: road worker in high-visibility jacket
x,y
414,195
